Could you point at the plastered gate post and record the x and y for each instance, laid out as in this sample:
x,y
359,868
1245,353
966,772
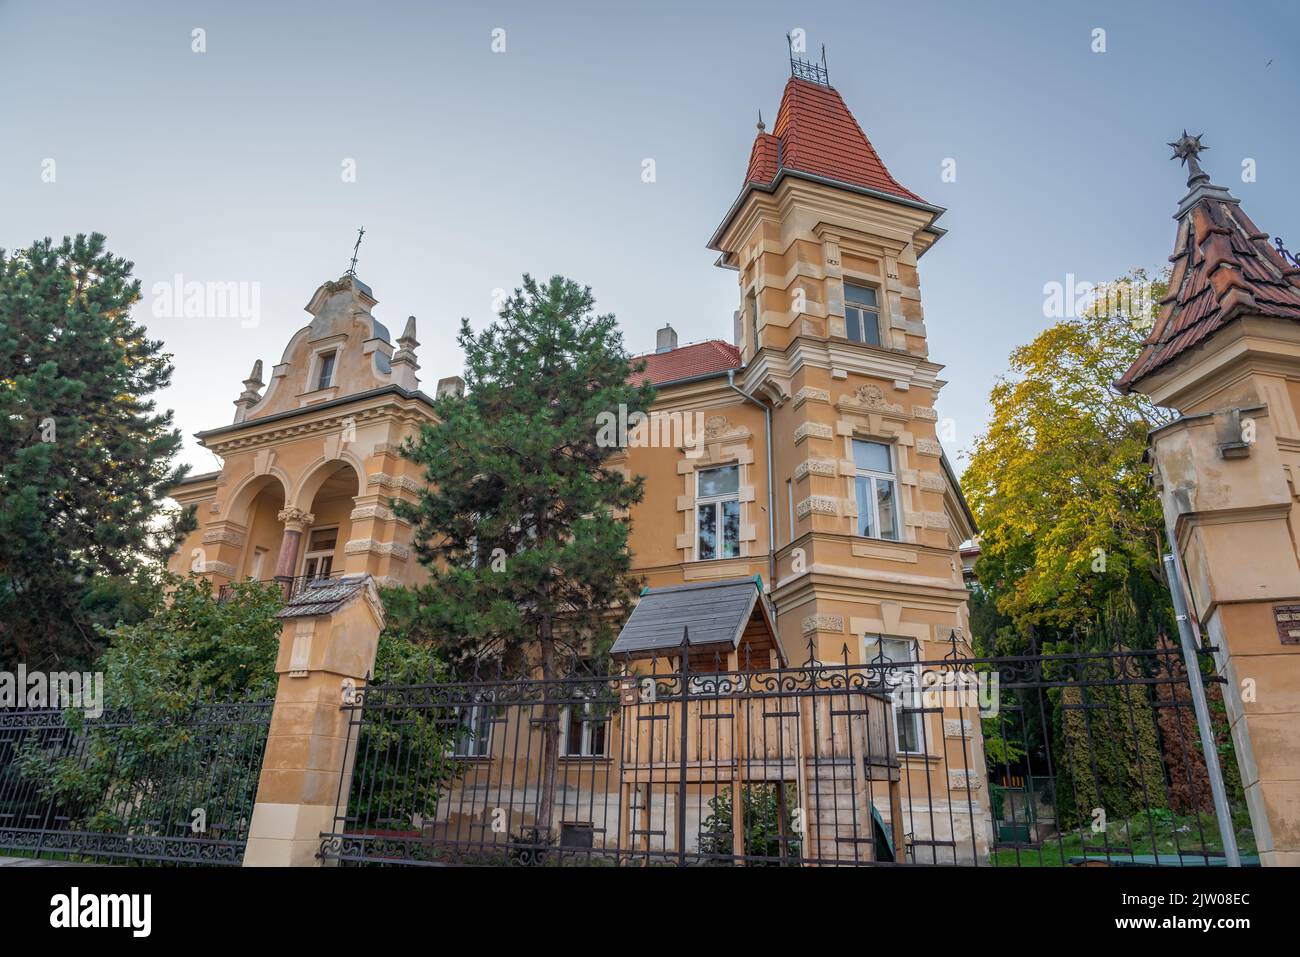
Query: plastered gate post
x,y
328,642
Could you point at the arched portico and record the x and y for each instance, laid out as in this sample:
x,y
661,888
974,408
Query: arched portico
x,y
318,522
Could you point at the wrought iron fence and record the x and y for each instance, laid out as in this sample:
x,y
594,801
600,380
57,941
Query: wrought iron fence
x,y
120,788
1077,758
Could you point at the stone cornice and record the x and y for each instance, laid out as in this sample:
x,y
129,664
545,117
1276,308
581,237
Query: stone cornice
x,y
845,208
889,365
275,433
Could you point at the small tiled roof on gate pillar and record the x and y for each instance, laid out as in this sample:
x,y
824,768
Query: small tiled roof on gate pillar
x,y
1223,268
712,615
327,595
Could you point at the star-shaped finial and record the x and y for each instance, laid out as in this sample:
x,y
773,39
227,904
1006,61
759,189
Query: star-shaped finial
x,y
1187,147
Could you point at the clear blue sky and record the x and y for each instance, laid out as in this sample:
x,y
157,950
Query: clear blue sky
x,y
474,166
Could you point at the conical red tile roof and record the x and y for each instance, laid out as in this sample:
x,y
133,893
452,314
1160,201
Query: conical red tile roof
x,y
815,133
1223,268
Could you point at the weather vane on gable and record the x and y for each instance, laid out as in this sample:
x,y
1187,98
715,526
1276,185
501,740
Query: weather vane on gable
x,y
352,269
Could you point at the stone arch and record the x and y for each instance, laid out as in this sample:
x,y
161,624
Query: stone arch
x,y
316,474
240,502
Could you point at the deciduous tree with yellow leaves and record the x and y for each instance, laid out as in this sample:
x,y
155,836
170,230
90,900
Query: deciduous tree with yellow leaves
x,y
1058,483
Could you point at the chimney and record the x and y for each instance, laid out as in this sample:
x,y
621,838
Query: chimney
x,y
452,385
665,339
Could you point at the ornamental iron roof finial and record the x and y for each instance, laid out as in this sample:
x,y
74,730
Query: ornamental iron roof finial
x,y
352,267
1187,148
809,70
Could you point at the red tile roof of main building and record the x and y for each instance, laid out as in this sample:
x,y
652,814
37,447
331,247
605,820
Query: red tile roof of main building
x,y
815,133
1223,268
687,362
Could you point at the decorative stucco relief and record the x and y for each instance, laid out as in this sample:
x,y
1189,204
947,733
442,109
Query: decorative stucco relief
x,y
813,430
821,504
827,467
833,623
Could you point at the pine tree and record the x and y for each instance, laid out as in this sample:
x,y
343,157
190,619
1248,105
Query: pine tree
x,y
85,459
520,523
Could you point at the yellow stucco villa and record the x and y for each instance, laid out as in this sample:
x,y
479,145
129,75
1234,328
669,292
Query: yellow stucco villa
x,y
818,468
809,458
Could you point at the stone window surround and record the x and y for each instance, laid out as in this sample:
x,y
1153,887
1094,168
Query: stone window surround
x,y
890,626
315,356
907,516
876,285
738,452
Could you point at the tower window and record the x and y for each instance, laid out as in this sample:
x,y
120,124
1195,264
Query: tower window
x,y
751,310
326,377
877,501
861,314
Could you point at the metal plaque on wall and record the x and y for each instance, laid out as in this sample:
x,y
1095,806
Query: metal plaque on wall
x,y
1287,618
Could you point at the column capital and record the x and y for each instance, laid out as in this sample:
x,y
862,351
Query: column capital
x,y
295,519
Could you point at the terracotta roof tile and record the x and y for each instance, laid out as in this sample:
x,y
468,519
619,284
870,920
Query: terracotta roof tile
x,y
1223,268
697,359
815,133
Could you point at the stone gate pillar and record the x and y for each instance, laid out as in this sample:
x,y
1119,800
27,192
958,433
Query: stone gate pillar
x,y
1231,504
1222,354
330,635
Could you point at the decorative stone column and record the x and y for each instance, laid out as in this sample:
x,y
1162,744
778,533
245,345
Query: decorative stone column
x,y
327,647
296,523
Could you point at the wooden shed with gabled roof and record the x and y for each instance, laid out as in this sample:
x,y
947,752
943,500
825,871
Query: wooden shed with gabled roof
x,y
726,624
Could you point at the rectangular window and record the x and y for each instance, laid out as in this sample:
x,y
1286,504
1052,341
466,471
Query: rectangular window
x,y
584,731
903,684
326,377
861,314
717,513
473,735
318,562
789,501
877,501
751,311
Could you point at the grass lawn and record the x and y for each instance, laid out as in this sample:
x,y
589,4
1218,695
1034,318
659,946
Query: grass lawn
x,y
1142,836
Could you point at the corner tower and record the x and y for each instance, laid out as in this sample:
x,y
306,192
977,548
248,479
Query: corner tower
x,y
869,517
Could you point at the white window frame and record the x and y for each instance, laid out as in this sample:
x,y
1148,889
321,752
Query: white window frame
x,y
259,560
471,740
899,693
310,553
589,726
717,501
873,498
865,314
319,369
